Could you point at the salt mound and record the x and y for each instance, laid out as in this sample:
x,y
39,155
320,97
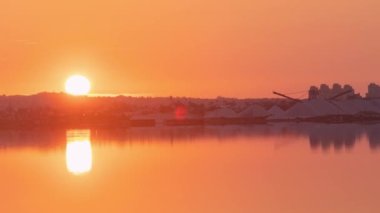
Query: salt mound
x,y
313,108
376,104
254,111
276,112
154,116
221,113
357,105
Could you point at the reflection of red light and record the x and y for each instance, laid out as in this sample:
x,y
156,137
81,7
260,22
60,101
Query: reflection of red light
x,y
180,112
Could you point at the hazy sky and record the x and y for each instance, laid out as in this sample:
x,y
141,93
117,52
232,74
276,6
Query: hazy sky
x,y
242,48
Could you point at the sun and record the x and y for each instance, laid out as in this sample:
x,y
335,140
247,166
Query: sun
x,y
77,85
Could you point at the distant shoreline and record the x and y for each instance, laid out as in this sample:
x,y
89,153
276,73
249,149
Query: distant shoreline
x,y
62,110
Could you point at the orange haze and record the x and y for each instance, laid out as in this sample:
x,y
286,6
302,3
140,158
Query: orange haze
x,y
241,48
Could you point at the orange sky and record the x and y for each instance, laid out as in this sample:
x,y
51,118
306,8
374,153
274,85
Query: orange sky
x,y
240,48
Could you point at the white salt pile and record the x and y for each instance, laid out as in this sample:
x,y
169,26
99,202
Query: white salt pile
x,y
276,112
355,106
313,108
254,111
221,113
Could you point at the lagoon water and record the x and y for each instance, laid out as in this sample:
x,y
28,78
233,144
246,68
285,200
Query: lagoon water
x,y
292,168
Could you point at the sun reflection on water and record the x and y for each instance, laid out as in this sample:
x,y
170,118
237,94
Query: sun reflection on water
x,y
78,151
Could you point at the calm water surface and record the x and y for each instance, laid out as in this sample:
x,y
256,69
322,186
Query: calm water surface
x,y
267,168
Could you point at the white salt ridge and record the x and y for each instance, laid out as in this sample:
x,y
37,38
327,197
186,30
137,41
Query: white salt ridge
x,y
276,112
221,113
313,108
254,111
356,106
321,107
376,103
305,109
160,118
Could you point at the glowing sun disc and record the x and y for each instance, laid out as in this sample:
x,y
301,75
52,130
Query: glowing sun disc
x,y
77,85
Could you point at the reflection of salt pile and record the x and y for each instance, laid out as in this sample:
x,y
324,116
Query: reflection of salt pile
x,y
254,111
338,135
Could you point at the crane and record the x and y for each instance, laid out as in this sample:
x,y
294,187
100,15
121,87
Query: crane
x,y
287,97
341,94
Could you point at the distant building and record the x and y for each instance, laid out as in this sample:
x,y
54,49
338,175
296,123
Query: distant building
x,y
325,92
336,89
313,92
351,94
373,91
